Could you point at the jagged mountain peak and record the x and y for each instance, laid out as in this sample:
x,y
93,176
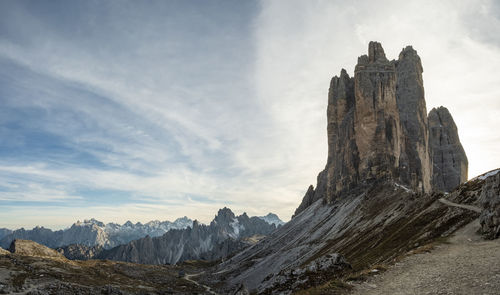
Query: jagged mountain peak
x,y
182,219
272,218
224,216
408,51
376,52
128,223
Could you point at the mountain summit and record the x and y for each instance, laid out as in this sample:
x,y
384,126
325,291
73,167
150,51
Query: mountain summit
x,y
378,129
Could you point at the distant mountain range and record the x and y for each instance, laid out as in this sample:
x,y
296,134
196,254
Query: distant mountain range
x,y
92,232
225,235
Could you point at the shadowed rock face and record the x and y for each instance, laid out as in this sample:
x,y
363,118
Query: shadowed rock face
x,y
449,160
415,162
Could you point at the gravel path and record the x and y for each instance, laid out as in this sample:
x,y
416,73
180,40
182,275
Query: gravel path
x,y
468,207
466,265
207,288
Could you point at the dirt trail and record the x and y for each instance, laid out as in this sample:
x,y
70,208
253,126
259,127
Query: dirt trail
x,y
468,207
207,288
466,265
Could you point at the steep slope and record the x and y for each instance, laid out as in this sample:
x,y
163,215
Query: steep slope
x,y
372,225
221,238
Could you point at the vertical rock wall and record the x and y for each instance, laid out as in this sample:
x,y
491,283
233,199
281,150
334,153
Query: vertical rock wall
x,y
376,123
415,164
449,160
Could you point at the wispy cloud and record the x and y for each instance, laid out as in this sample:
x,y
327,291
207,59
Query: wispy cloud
x,y
180,108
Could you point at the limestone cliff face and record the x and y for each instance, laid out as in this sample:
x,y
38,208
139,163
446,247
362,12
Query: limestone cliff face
x,y
377,127
415,162
377,130
449,160
377,124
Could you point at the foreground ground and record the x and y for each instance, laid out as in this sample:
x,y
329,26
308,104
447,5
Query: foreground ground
x,y
42,275
465,264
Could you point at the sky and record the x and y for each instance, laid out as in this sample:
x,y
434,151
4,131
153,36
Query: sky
x,y
144,110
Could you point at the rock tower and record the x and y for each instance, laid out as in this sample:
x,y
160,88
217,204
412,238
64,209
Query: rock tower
x,y
378,129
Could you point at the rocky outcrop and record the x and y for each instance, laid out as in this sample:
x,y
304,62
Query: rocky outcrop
x,y
377,127
490,201
312,194
224,236
449,160
315,272
30,248
80,252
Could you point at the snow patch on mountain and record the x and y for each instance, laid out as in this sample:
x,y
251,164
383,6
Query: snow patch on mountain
x,y
272,218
